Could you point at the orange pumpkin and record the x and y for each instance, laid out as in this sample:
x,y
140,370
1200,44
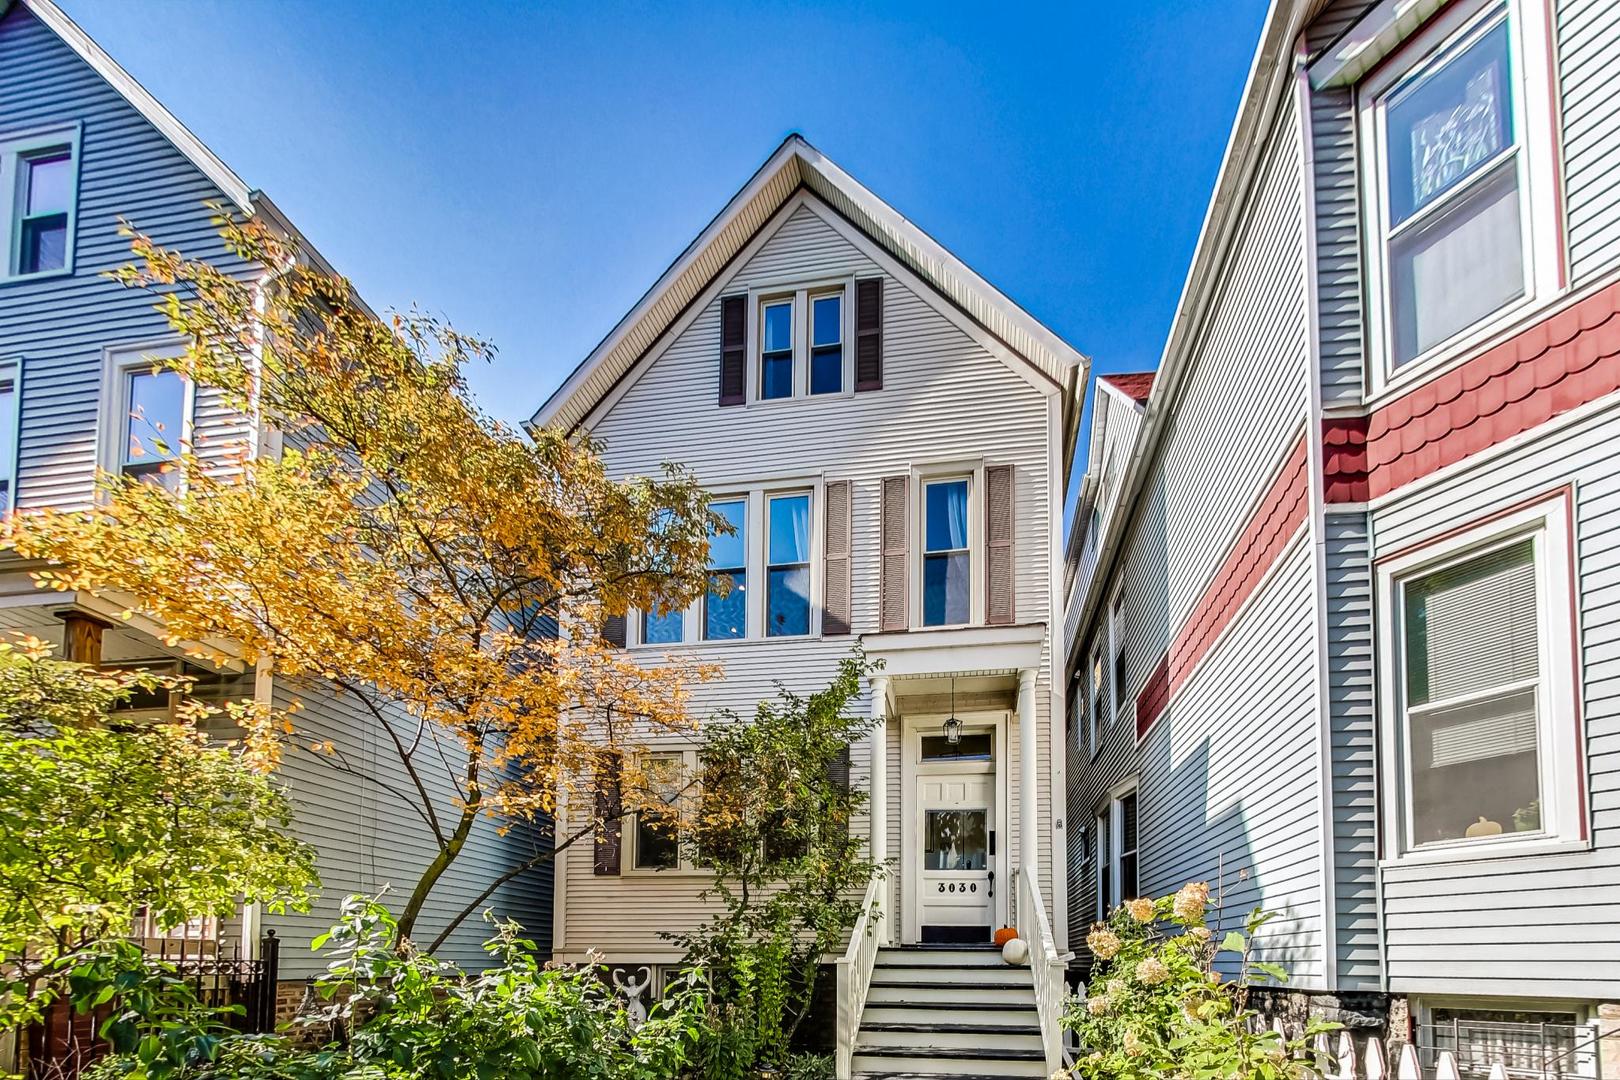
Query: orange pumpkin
x,y
1004,935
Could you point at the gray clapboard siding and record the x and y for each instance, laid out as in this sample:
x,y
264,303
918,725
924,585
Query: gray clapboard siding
x,y
1229,774
59,326
1347,551
1338,223
1517,924
1588,35
943,394
367,840
1237,416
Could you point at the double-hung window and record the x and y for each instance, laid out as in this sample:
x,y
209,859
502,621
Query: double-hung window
x,y
1097,705
827,343
1116,852
799,334
787,568
776,350
1116,643
725,608
1448,165
1482,723
39,182
947,570
154,426
10,427
656,837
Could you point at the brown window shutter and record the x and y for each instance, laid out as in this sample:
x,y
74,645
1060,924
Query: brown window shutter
x,y
869,334
614,630
894,578
835,605
838,771
1000,609
733,348
609,826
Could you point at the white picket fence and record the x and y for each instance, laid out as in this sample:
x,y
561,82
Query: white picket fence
x,y
1370,1062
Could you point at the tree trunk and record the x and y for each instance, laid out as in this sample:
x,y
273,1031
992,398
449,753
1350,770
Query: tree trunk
x,y
441,862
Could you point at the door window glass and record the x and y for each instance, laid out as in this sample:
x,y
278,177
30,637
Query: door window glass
x,y
956,840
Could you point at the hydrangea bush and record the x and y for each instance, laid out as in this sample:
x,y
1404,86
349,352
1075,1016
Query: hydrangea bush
x,y
1156,1005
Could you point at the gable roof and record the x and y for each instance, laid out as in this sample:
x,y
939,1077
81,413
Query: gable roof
x,y
795,165
1136,385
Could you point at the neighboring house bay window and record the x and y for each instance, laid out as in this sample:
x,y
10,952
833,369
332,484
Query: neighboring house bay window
x,y
1116,852
1449,163
1480,639
725,609
39,183
947,568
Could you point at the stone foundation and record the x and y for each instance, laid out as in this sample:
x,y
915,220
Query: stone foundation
x,y
1364,1015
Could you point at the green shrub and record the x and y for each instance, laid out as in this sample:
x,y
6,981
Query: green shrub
x,y
1156,1005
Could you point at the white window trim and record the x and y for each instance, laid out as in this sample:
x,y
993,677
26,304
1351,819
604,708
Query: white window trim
x,y
11,368
921,477
756,498
1562,804
1532,125
801,292
1094,699
12,150
1116,642
627,836
117,363
1112,818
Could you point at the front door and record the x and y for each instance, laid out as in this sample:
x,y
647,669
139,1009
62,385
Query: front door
x,y
956,800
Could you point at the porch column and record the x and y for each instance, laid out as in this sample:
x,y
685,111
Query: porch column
x,y
1028,826
878,807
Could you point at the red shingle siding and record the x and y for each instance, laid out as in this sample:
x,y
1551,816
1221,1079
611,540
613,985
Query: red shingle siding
x,y
1275,520
1558,365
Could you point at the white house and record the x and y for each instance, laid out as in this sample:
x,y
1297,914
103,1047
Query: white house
x,y
1342,613
890,436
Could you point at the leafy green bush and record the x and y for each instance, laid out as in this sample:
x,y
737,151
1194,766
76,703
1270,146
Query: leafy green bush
x,y
401,1014
1156,1006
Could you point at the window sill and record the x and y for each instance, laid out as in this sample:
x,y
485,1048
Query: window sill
x,y
683,872
1487,851
38,275
1427,367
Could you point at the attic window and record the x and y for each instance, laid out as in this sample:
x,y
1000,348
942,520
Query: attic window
x,y
39,182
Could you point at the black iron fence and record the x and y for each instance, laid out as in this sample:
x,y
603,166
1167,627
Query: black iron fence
x,y
64,1042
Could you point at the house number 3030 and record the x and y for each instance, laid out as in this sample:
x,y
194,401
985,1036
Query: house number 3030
x,y
969,886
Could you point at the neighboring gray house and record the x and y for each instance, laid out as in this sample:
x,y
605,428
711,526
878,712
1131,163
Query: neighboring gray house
x,y
1342,621
81,146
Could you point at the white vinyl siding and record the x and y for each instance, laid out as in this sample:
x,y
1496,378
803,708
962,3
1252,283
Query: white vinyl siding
x,y
943,393
1588,36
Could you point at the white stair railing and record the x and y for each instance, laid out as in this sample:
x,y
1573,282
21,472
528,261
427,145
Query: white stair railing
x,y
855,971
1045,966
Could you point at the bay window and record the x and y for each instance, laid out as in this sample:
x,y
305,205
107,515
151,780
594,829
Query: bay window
x,y
1480,645
1448,133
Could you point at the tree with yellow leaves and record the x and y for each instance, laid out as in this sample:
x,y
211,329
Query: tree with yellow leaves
x,y
390,540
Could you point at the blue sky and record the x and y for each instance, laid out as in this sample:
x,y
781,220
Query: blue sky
x,y
528,170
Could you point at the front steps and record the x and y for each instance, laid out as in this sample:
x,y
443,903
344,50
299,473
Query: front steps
x,y
948,1012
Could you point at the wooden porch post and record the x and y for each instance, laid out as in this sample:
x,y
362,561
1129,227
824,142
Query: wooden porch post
x,y
81,637
878,785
